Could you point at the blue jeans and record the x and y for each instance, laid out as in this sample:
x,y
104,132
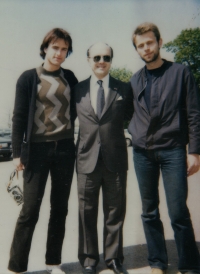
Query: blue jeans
x,y
172,163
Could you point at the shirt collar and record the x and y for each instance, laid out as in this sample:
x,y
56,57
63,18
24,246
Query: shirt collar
x,y
94,80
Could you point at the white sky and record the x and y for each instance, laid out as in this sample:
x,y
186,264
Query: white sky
x,y
24,23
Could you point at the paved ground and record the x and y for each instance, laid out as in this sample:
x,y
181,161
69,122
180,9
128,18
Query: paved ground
x,y
134,242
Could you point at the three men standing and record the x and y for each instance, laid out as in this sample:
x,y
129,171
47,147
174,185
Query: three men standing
x,y
102,104
166,118
43,142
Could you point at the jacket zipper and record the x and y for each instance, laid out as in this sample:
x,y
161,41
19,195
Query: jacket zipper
x,y
140,94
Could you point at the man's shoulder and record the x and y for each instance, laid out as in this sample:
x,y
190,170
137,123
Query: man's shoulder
x,y
29,72
138,77
173,68
169,65
138,73
82,83
67,72
81,89
114,81
27,75
174,65
70,77
178,66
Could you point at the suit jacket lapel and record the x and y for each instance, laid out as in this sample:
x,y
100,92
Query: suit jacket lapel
x,y
112,93
86,99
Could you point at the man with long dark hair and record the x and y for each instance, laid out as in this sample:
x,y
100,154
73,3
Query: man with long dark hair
x,y
43,142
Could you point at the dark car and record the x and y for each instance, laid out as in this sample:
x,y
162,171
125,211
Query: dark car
x,y
5,146
5,132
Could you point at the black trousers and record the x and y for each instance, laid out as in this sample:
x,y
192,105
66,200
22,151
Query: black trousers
x,y
58,159
114,207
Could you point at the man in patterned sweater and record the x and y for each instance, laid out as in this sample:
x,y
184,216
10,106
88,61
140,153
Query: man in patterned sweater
x,y
43,142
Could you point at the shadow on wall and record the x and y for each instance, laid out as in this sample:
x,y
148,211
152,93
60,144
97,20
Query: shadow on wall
x,y
135,257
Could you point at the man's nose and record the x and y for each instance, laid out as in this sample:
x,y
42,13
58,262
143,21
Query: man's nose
x,y
58,52
101,59
146,47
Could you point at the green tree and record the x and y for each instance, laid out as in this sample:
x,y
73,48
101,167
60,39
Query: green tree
x,y
121,74
186,48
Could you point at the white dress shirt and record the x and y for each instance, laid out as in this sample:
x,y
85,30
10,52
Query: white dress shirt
x,y
94,86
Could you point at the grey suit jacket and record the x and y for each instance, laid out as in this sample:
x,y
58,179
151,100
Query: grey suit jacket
x,y
107,132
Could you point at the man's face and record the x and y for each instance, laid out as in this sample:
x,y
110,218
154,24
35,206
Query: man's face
x,y
56,53
100,68
148,47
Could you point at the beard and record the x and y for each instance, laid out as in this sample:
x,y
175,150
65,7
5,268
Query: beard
x,y
153,58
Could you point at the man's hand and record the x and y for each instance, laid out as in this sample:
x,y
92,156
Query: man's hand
x,y
18,165
193,163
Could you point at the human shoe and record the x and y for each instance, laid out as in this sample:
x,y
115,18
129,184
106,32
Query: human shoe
x,y
54,269
157,271
89,269
116,266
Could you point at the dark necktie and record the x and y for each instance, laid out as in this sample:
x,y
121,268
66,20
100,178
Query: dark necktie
x,y
100,99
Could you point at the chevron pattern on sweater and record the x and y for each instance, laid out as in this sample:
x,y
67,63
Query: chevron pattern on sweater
x,y
52,114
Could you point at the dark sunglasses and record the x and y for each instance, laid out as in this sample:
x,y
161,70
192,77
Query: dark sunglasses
x,y
106,58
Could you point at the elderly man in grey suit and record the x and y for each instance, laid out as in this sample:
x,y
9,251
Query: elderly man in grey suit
x,y
102,104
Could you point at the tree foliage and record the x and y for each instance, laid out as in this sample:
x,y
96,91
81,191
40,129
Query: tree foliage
x,y
186,48
121,74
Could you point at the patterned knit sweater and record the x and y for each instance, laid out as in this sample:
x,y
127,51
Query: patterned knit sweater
x,y
52,115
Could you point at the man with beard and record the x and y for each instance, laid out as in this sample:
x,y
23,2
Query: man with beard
x,y
166,118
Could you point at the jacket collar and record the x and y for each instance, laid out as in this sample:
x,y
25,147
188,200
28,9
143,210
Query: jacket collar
x,y
144,74
112,93
142,82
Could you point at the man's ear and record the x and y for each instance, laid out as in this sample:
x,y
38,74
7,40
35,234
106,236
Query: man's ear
x,y
160,43
45,50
